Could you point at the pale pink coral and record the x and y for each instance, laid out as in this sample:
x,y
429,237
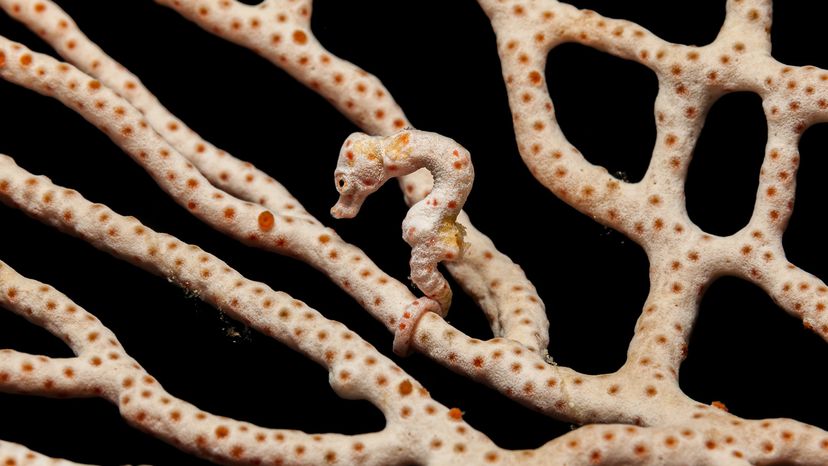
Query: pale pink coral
x,y
248,205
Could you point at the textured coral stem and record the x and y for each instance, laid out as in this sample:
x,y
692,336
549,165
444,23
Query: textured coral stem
x,y
223,170
283,36
102,368
18,455
250,223
145,404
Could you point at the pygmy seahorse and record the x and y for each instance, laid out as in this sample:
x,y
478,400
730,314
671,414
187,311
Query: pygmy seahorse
x,y
430,227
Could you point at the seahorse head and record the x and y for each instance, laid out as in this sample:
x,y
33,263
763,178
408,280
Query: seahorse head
x,y
359,172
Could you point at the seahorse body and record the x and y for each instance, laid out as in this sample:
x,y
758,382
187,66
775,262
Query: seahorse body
x,y
430,227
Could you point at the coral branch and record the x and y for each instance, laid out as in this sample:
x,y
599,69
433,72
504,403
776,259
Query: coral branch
x,y
750,22
653,212
223,170
799,293
145,404
209,277
280,32
510,301
244,221
248,205
525,34
18,455
218,168
356,369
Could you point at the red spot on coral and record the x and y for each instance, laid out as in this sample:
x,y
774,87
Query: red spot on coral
x,y
300,37
266,221
719,405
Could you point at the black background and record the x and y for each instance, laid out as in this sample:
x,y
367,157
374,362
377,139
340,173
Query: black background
x,y
438,59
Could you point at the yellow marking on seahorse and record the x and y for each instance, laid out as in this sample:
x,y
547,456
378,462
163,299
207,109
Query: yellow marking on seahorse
x,y
452,233
369,148
398,148
373,153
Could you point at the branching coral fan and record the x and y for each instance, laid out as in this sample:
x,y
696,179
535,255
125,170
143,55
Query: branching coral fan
x,y
239,396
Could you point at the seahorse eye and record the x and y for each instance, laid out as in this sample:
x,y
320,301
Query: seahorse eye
x,y
341,183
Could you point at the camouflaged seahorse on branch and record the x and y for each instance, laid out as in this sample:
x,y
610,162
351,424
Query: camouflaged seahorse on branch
x,y
430,227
